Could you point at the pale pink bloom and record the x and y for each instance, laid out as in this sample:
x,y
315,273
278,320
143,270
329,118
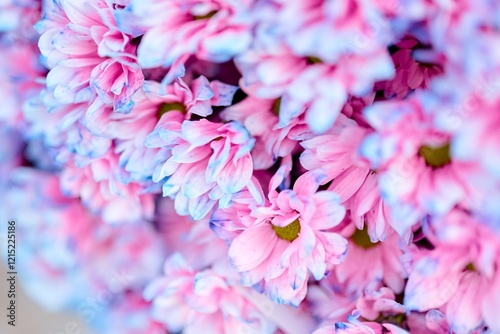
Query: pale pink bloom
x,y
205,162
90,59
329,30
460,275
417,171
176,29
368,263
151,103
104,189
349,175
306,85
280,244
259,116
196,301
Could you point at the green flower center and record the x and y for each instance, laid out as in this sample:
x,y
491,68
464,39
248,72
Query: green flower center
x,y
205,16
313,60
276,106
470,267
362,239
166,107
436,157
289,232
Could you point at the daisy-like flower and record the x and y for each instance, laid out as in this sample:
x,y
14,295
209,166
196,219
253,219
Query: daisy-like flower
x,y
205,163
306,84
153,102
281,243
90,59
378,262
105,190
349,175
459,275
176,29
417,171
195,301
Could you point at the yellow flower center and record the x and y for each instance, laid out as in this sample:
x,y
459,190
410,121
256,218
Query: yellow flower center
x,y
436,157
276,106
470,267
289,232
205,16
362,239
313,60
166,107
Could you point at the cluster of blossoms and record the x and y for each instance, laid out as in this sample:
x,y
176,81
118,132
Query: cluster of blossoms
x,y
255,166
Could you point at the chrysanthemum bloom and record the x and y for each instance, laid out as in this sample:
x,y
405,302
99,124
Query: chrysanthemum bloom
x,y
367,264
308,85
329,30
195,301
460,275
105,190
260,118
176,29
350,175
205,163
152,103
315,54
354,326
128,313
90,59
418,173
281,243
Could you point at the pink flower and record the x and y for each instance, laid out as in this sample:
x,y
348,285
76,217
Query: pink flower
x,y
349,175
195,301
460,275
151,103
368,263
205,163
306,85
90,59
418,173
176,29
105,190
281,243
